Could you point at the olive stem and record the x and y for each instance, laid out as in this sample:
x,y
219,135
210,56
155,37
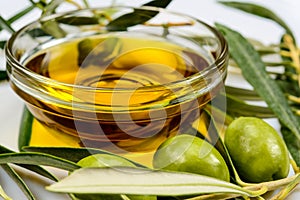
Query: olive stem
x,y
272,185
286,191
295,166
169,24
257,188
74,3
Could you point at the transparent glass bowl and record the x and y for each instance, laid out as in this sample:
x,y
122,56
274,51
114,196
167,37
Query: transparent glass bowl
x,y
123,117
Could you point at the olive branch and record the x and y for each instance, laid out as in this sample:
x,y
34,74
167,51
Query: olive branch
x,y
288,81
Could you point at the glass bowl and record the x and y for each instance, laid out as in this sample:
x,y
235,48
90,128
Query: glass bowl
x,y
118,78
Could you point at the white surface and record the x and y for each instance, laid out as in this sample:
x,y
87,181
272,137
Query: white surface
x,y
206,10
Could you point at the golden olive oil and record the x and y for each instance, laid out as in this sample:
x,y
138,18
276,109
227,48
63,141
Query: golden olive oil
x,y
124,99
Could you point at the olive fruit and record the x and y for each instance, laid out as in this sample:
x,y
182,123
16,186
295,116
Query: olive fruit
x,y
107,160
104,160
258,152
188,153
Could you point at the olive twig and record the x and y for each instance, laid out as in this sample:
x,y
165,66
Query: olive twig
x,y
286,191
240,182
77,5
259,188
214,196
294,166
169,24
273,185
292,53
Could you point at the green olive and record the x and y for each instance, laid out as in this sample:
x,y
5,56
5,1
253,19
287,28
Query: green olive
x,y
104,160
188,153
257,151
107,160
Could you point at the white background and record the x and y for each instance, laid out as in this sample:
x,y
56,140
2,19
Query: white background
x,y
207,10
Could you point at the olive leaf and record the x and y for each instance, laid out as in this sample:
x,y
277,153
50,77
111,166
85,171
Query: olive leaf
x,y
253,69
259,11
3,75
138,16
6,25
49,8
72,154
33,168
78,21
37,159
140,181
25,128
18,180
52,28
237,107
243,94
21,14
109,49
2,45
292,143
37,32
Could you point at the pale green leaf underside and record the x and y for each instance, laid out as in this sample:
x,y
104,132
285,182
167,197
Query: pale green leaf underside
x,y
124,180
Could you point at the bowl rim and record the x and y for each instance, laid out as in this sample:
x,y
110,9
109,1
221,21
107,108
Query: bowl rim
x,y
220,60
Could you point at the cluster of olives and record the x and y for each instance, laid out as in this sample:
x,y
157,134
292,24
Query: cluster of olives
x,y
257,151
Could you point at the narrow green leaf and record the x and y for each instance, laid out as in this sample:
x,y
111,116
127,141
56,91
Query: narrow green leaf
x,y
25,128
288,86
86,3
6,25
34,168
292,143
253,69
138,181
39,170
20,14
78,21
52,28
37,32
107,51
3,75
69,153
72,154
84,48
158,3
2,45
40,4
49,8
259,11
237,107
244,94
18,180
138,16
37,159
